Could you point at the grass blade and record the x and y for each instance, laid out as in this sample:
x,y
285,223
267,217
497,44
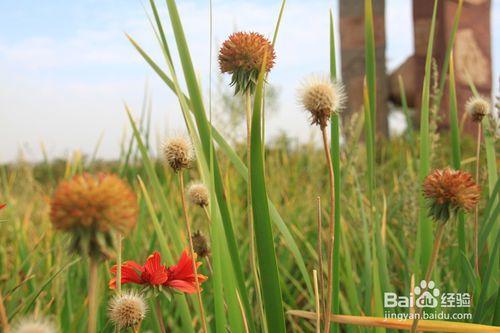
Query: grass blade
x,y
269,276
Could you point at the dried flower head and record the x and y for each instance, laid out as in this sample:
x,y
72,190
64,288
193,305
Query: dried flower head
x,y
127,310
242,55
200,244
198,194
448,191
34,326
321,98
91,207
178,153
477,108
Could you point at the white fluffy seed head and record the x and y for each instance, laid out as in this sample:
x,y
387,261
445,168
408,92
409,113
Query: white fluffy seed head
x,y
127,310
178,152
477,107
34,326
321,98
198,194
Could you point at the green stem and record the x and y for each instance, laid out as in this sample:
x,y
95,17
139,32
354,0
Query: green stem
x,y
430,268
159,315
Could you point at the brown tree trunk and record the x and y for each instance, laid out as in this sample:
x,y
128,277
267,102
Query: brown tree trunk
x,y
472,51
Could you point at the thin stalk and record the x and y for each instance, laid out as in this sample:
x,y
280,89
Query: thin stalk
x,y
3,316
92,295
253,261
331,239
119,273
432,263
318,307
191,249
119,265
159,315
320,256
476,210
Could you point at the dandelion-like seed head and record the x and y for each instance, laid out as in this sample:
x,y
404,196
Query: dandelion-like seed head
x,y
242,55
127,310
200,244
477,108
34,326
92,207
321,98
178,153
198,194
449,191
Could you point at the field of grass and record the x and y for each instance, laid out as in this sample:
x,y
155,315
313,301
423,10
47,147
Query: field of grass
x,y
262,221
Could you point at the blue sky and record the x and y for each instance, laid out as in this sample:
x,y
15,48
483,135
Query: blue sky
x,y
66,67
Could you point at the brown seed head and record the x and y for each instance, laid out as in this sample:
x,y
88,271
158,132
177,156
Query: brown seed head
x,y
127,310
449,191
178,153
198,194
101,202
321,98
477,108
200,245
242,55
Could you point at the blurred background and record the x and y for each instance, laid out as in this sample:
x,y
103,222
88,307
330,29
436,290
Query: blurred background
x,y
66,67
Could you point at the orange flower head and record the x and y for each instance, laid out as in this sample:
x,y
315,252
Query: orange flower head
x,y
103,202
242,55
91,207
449,191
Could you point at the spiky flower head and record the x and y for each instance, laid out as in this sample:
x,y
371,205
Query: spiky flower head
x,y
127,310
198,194
91,207
200,244
477,107
242,55
34,326
178,152
321,98
449,191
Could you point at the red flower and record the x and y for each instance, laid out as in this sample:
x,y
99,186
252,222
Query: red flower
x,y
2,206
153,273
182,277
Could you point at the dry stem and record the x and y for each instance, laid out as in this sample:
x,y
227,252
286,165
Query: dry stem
x,y
331,239
193,255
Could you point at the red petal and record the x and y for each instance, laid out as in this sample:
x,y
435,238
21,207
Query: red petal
x,y
154,272
183,286
2,206
129,275
153,263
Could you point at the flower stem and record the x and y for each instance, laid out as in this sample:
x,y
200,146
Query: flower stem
x,y
159,315
92,295
195,268
331,239
476,210
321,288
119,265
430,268
3,316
